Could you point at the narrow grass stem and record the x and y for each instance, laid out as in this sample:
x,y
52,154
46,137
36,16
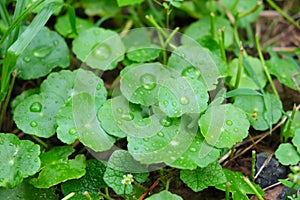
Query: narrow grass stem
x,y
253,188
252,10
40,141
253,165
240,67
284,14
227,191
68,196
106,196
212,25
265,67
221,43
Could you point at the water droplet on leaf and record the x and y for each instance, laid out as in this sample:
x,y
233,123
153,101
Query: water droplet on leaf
x,y
166,122
36,107
72,131
191,72
166,103
102,52
229,122
148,81
127,117
160,134
42,51
184,100
27,59
98,87
33,124
192,149
146,139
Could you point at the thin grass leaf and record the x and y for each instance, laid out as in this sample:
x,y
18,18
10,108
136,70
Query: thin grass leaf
x,y
242,91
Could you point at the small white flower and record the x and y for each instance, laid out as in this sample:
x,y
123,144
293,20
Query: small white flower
x,y
127,179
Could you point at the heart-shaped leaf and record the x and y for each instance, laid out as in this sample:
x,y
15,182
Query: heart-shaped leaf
x,y
19,159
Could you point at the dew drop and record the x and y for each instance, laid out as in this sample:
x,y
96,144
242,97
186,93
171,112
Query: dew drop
x,y
72,131
36,107
27,59
192,149
229,122
28,156
1,180
146,139
160,134
42,51
174,103
166,122
33,124
136,148
120,110
191,72
147,149
55,42
119,122
127,117
98,87
1,142
102,51
165,103
184,100
11,144
148,81
235,130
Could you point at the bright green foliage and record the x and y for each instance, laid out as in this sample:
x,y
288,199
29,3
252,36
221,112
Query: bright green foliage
x,y
63,26
284,74
167,145
104,8
182,95
121,163
199,153
23,96
291,126
287,154
193,61
19,159
164,195
57,168
296,140
246,81
200,28
128,2
41,56
26,191
224,125
202,178
255,108
242,6
143,53
140,82
238,187
91,182
36,114
99,48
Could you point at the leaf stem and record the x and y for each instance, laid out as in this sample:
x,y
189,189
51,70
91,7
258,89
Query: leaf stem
x,y
240,67
252,10
5,105
105,195
253,165
40,141
284,14
68,196
253,188
221,43
265,67
212,25
87,195
227,191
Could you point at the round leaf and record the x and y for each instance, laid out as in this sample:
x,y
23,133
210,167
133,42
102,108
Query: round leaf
x,y
42,55
19,159
287,154
99,48
36,114
224,125
164,195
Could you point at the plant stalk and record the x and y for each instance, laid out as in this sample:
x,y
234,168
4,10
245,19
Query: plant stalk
x,y
265,67
252,10
253,188
212,25
240,67
221,38
253,165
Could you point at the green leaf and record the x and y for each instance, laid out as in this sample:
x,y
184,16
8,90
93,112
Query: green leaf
x,y
121,163
296,140
41,56
128,2
16,101
63,26
57,168
44,3
195,62
202,178
224,125
241,92
199,153
140,82
182,95
143,53
36,114
255,109
246,80
164,195
99,48
19,159
91,182
200,29
287,154
104,8
238,187
284,74
167,145
26,191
